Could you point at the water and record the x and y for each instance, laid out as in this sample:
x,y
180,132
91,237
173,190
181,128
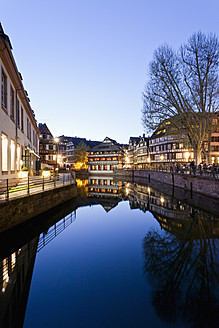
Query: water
x,y
126,255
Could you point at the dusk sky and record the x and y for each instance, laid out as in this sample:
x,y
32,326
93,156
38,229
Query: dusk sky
x,y
85,63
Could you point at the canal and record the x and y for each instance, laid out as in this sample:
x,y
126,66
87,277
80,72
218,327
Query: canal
x,y
123,254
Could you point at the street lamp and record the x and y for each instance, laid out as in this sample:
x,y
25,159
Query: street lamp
x,y
187,156
57,142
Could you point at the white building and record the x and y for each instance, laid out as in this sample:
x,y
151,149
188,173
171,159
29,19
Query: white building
x,y
19,143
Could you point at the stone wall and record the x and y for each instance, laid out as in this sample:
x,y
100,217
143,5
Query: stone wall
x,y
204,185
19,210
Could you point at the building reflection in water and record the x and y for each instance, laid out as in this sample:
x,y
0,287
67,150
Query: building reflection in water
x,y
16,273
15,278
181,261
105,191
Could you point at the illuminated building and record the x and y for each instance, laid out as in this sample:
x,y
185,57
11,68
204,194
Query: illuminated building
x,y
105,157
48,147
19,142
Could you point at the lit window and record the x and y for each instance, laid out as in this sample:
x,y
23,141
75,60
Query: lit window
x,y
13,260
12,155
4,152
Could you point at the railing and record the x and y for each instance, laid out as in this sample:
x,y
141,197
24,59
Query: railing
x,y
15,188
55,230
202,171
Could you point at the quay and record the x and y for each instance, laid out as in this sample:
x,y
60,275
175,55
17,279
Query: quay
x,y
27,200
208,186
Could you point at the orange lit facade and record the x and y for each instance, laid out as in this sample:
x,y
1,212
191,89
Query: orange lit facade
x,y
106,157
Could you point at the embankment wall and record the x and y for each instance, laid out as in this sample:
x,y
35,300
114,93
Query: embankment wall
x,y
18,210
203,185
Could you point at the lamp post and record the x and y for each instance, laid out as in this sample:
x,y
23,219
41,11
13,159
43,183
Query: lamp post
x,y
57,142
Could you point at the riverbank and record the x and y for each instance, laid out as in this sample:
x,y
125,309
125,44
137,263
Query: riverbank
x,y
198,184
17,211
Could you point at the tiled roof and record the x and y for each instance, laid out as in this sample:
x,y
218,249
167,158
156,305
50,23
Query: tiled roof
x,y
44,129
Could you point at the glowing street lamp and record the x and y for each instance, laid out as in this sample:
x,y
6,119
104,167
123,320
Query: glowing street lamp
x,y
162,200
162,157
187,156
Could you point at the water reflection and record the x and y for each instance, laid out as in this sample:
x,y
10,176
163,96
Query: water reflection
x,y
181,260
15,277
105,191
182,267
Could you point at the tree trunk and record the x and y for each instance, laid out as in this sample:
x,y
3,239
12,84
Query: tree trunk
x,y
197,153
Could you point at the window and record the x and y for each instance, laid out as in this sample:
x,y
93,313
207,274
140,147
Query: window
x,y
179,155
18,113
22,119
12,155
12,102
4,152
28,129
4,89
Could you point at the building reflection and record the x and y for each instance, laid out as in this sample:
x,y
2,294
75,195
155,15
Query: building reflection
x,y
181,261
15,277
183,268
105,191
16,271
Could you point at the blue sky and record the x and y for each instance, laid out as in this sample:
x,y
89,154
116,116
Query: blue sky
x,y
85,63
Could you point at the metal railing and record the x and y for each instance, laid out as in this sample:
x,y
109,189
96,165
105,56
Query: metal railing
x,y
15,188
201,171
55,230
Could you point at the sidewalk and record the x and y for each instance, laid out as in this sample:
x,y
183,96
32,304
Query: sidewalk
x,y
22,187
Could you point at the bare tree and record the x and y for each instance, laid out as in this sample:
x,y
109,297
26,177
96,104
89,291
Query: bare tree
x,y
183,89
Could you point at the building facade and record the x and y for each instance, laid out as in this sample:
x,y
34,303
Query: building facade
x,y
105,157
19,144
70,148
48,148
163,150
166,149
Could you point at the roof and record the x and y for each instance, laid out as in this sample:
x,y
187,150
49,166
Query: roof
x,y
44,129
77,140
5,37
107,145
136,139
